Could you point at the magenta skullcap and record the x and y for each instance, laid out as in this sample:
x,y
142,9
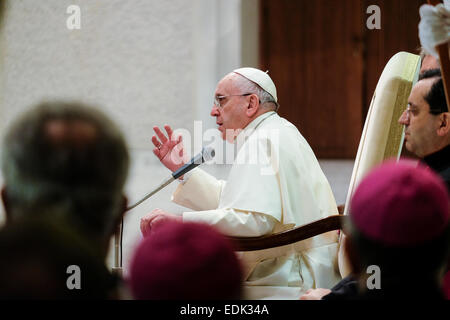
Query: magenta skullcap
x,y
398,204
185,261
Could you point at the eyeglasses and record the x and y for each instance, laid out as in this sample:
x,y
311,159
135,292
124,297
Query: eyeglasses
x,y
408,112
218,99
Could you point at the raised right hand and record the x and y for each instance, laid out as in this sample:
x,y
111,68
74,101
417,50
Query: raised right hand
x,y
169,150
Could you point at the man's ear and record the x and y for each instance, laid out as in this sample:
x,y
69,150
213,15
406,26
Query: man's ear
x,y
6,203
444,124
118,220
115,228
352,255
253,106
124,204
123,209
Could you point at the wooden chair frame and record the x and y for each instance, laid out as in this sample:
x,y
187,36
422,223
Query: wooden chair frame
x,y
330,223
334,222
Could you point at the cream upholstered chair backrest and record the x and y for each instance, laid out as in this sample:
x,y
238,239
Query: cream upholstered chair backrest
x,y
382,136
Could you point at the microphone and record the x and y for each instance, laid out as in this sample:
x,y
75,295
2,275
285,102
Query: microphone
x,y
207,154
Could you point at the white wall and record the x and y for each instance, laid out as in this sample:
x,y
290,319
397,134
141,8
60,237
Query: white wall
x,y
134,59
144,62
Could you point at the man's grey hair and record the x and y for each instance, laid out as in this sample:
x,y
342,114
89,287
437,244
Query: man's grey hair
x,y
246,86
423,52
69,159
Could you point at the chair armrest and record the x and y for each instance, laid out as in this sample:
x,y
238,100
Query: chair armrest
x,y
334,222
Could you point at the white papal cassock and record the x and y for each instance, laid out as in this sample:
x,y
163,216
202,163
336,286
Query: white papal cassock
x,y
275,183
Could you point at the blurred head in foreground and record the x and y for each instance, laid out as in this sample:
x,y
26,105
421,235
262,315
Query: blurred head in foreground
x,y
185,261
69,160
43,259
400,223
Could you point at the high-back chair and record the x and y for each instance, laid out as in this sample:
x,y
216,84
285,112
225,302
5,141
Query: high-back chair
x,y
381,139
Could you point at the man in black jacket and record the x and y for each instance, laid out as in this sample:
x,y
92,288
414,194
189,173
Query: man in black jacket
x,y
398,234
427,123
427,135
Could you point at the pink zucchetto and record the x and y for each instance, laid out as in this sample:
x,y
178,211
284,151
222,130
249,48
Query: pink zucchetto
x,y
185,261
401,205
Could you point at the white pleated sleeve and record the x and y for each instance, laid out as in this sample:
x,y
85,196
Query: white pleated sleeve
x,y
201,192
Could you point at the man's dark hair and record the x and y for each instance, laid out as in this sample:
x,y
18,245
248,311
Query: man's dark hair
x,y
402,260
436,96
68,159
40,259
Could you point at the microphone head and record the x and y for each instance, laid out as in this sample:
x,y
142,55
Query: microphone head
x,y
208,153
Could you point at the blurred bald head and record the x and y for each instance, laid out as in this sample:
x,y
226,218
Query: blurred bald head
x,y
68,158
77,133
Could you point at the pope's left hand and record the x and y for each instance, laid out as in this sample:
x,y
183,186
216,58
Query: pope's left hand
x,y
153,219
315,294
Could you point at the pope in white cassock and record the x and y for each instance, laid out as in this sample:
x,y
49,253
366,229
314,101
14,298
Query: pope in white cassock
x,y
275,184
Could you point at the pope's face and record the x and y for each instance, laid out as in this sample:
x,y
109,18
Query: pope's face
x,y
231,114
420,125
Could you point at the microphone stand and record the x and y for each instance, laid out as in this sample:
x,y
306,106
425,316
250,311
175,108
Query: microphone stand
x,y
161,186
207,154
117,269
